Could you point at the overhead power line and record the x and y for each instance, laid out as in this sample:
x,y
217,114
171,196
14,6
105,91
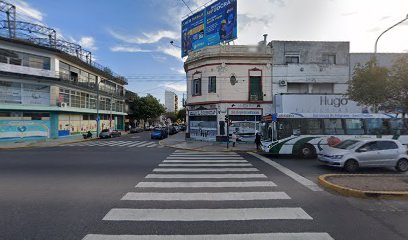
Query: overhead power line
x,y
187,6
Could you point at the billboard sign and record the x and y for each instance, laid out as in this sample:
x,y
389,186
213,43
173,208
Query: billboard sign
x,y
215,24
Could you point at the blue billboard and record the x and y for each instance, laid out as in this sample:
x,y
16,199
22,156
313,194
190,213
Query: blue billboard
x,y
215,24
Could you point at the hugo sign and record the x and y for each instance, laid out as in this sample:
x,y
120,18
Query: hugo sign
x,y
310,103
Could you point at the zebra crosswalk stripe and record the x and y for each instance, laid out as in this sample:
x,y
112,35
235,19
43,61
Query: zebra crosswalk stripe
x,y
252,236
205,165
205,184
205,161
238,214
136,143
205,170
144,145
204,196
209,176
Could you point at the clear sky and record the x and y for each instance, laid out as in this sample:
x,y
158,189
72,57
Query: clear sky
x,y
132,36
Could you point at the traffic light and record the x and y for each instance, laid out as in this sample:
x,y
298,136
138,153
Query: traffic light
x,y
226,118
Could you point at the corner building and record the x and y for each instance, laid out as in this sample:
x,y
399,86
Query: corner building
x,y
231,80
48,93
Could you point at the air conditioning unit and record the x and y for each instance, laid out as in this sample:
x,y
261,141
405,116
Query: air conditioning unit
x,y
63,104
282,83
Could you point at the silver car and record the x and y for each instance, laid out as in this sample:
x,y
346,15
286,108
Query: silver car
x,y
354,153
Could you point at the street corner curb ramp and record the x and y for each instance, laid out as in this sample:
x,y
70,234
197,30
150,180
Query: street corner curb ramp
x,y
324,181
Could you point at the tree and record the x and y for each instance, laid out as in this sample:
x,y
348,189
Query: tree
x,y
399,86
370,85
172,116
181,115
147,107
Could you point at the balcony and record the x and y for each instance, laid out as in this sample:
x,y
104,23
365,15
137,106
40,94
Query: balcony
x,y
255,96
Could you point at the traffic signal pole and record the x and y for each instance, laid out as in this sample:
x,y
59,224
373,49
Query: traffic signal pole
x,y
227,123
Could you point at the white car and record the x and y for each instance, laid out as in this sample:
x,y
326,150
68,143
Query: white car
x,y
354,153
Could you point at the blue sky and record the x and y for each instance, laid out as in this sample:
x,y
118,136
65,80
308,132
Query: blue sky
x,y
132,36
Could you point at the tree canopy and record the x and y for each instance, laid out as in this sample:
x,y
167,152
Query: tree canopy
x,y
370,85
147,107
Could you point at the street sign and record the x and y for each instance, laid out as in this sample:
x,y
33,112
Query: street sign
x,y
97,119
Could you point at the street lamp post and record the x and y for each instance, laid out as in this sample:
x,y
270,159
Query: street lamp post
x,y
376,42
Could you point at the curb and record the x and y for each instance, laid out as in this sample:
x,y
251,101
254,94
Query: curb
x,y
351,192
200,150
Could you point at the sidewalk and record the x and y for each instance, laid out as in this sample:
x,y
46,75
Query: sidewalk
x,y
178,141
367,185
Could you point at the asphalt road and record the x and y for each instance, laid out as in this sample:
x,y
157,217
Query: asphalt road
x,y
75,192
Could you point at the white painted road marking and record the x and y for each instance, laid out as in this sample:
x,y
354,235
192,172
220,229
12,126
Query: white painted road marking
x,y
302,180
223,196
205,184
254,236
205,161
239,214
206,165
205,170
206,176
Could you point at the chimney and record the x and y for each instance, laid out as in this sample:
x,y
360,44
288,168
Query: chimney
x,y
265,38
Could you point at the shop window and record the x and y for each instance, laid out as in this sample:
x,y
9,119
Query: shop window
x,y
212,87
85,117
333,126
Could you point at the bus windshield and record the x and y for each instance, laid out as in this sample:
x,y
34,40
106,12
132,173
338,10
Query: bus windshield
x,y
266,130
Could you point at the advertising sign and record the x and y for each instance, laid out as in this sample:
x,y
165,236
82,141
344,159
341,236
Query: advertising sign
x,y
221,22
215,24
245,111
211,112
300,103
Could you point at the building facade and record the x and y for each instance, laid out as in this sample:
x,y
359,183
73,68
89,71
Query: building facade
x,y
227,81
170,101
309,76
48,93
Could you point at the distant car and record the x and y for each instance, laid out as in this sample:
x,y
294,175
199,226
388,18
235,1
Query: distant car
x,y
172,130
107,133
158,133
182,127
352,154
136,130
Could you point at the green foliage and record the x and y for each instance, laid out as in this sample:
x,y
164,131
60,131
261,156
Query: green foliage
x,y
146,107
399,87
370,85
172,116
181,115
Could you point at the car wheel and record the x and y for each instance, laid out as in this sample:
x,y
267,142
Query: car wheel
x,y
307,151
402,165
351,165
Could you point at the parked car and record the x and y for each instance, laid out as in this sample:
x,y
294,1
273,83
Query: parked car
x,y
158,133
108,133
352,154
136,130
182,127
172,130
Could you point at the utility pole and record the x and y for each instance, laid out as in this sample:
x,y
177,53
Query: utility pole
x,y
97,108
227,124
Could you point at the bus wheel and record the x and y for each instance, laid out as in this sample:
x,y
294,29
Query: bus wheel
x,y
307,151
351,165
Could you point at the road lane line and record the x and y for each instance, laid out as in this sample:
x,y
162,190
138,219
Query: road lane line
x,y
206,176
136,144
205,165
302,180
153,145
252,236
205,196
144,145
205,184
239,214
205,170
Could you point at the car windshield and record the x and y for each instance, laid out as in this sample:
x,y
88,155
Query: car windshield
x,y
105,130
347,144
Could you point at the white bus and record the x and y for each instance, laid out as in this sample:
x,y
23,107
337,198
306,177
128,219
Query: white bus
x,y
306,134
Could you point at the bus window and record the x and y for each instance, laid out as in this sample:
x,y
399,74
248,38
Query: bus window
x,y
333,126
287,127
397,127
376,126
354,126
311,127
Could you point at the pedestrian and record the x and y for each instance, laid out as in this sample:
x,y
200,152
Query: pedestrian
x,y
257,140
234,139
